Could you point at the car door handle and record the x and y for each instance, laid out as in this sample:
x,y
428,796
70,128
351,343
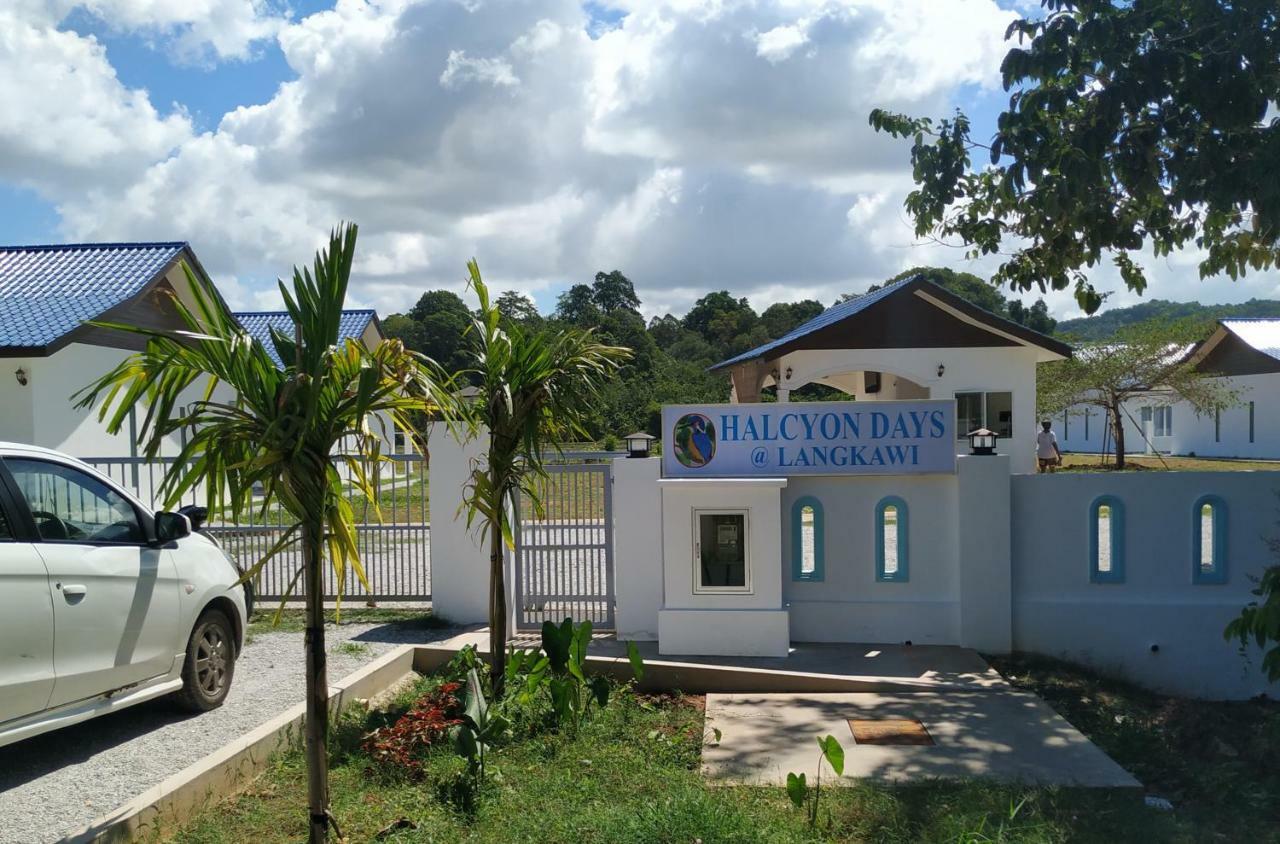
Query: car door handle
x,y
73,590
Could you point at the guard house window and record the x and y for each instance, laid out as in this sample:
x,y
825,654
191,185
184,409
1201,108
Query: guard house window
x,y
1209,540
1164,421
1106,540
808,539
891,540
720,551
984,410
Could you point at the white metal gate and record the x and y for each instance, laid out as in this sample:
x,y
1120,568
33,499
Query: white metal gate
x,y
564,558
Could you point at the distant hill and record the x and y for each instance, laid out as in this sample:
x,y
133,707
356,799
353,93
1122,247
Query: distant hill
x,y
1103,325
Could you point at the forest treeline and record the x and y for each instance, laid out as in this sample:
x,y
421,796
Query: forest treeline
x,y
671,353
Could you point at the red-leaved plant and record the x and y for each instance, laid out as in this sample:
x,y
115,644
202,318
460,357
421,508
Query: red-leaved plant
x,y
428,721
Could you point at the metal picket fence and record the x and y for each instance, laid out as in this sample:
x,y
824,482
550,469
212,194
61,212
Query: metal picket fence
x,y
396,552
564,557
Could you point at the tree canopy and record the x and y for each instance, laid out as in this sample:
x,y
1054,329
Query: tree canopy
x,y
1140,362
1131,125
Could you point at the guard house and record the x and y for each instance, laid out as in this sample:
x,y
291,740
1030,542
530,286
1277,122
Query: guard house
x,y
912,340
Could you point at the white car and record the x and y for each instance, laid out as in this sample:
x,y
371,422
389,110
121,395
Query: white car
x,y
103,602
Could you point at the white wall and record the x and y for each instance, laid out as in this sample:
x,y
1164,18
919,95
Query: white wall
x,y
1112,626
16,423
1193,433
637,547
849,605
1011,369
459,560
750,623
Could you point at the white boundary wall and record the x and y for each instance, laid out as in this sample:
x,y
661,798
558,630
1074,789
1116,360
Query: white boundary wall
x,y
997,562
1113,626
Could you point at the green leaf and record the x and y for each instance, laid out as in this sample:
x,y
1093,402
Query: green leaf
x,y
637,662
833,753
796,789
599,687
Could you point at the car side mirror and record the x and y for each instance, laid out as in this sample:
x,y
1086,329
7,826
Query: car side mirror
x,y
171,527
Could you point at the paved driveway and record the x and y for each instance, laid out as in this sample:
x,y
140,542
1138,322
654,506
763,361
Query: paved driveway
x,y
55,783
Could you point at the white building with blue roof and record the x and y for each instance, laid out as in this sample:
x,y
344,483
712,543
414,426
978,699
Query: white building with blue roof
x,y
48,351
1246,351
909,340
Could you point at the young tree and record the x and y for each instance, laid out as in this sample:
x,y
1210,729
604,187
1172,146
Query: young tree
x,y
536,389
1140,359
1132,124
281,431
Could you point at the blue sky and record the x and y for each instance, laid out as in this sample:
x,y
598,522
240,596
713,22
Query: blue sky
x,y
693,147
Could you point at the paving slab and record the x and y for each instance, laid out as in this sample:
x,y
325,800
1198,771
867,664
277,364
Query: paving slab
x,y
1005,735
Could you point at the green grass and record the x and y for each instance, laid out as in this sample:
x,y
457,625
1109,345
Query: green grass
x,y
1075,462
294,620
632,776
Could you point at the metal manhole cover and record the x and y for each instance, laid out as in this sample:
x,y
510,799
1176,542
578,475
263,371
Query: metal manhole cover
x,y
889,731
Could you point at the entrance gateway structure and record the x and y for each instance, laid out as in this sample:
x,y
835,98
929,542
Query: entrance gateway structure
x,y
868,521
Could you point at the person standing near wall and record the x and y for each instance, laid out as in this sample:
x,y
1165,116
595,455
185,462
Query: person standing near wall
x,y
1048,455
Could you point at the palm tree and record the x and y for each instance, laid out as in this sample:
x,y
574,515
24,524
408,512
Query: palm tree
x,y
289,430
535,389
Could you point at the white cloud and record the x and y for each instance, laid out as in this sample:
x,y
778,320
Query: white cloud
x,y
461,68
779,43
694,145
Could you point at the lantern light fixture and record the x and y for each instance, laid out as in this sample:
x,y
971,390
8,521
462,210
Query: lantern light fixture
x,y
983,441
638,444
21,375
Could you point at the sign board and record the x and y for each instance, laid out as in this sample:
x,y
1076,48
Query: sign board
x,y
809,438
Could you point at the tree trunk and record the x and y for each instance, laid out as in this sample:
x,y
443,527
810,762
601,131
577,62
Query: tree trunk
x,y
497,612
1117,427
317,723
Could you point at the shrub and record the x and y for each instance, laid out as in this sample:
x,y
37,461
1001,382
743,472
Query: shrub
x,y
427,723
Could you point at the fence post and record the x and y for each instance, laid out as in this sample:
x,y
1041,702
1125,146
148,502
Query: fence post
x,y
985,553
459,561
637,547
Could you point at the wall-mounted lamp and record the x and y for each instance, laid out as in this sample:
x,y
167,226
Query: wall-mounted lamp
x,y
774,373
21,375
942,368
788,373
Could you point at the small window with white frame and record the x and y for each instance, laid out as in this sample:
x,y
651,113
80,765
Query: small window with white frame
x,y
722,562
992,410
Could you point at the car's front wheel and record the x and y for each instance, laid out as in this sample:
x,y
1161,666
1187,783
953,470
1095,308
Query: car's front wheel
x,y
210,663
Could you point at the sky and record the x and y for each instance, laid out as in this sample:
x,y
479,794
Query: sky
x,y
695,145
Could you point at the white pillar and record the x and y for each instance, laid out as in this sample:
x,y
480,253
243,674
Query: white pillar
x,y
637,547
986,570
459,560
784,394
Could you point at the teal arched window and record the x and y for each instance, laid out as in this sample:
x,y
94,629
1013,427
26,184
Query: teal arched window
x,y
1209,540
891,540
808,539
1106,540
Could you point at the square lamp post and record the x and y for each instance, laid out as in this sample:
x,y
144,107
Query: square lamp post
x,y
983,441
638,444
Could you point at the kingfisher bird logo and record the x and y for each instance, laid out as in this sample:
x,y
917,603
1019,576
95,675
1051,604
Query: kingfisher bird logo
x,y
695,440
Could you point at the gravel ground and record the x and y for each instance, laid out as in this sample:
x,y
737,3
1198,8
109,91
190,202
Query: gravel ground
x,y
55,783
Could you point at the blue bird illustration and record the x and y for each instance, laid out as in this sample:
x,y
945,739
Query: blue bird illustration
x,y
700,443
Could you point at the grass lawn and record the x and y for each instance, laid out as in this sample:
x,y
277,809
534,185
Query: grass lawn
x,y
294,620
632,775
1076,462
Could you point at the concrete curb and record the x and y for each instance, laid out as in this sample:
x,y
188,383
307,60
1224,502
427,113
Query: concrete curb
x,y
171,803
662,675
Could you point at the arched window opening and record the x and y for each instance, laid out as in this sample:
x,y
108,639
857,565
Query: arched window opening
x,y
807,539
891,540
1106,531
1209,540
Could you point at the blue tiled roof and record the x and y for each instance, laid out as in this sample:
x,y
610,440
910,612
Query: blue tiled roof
x,y
833,314
260,323
46,292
